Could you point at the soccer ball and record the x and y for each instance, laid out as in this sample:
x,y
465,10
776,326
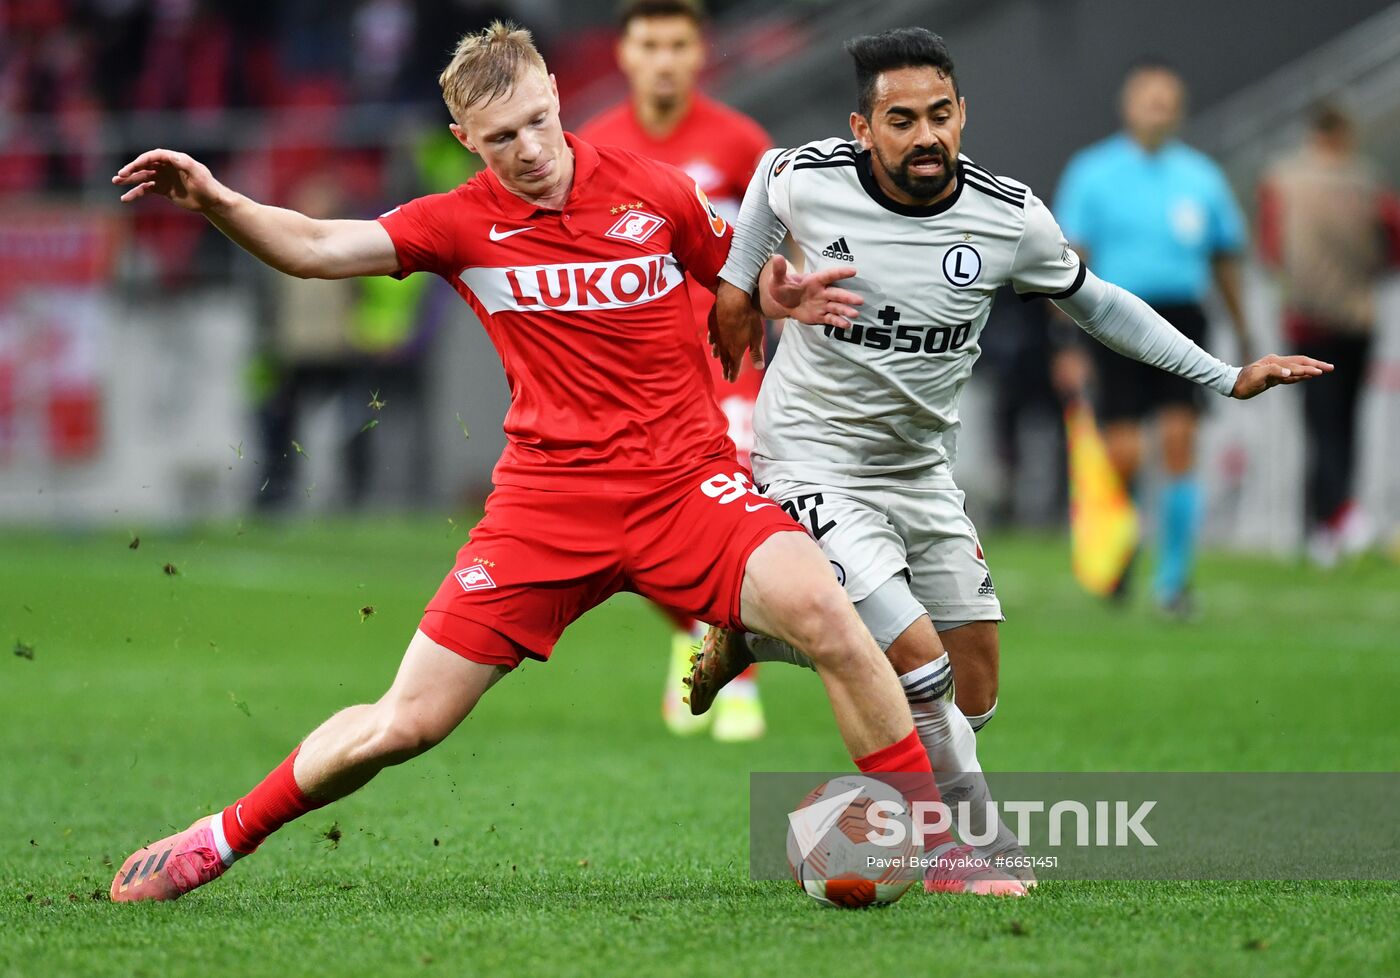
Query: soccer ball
x,y
830,850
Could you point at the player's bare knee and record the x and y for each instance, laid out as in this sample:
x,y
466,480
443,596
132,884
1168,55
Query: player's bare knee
x,y
978,701
825,626
976,697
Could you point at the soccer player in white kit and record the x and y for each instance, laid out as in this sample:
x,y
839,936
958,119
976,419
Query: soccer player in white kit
x,y
857,421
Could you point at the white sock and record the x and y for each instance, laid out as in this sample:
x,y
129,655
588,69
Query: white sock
x,y
226,851
981,720
952,751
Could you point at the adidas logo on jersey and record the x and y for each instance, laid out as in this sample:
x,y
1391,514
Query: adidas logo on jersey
x,y
987,586
838,250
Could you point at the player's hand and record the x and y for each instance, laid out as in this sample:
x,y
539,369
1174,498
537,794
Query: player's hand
x,y
178,177
1272,370
811,298
735,328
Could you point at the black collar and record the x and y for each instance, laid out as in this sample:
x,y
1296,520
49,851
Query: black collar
x,y
867,180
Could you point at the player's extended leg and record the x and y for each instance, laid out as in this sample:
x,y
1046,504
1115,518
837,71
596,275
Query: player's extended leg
x,y
714,546
901,626
922,657
1179,509
434,690
790,593
944,739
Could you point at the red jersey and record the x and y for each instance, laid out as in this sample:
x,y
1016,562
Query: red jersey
x,y
587,310
719,148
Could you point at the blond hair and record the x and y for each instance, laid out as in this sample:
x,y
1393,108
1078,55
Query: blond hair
x,y
485,65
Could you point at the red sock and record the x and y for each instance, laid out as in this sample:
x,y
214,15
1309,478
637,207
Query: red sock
x,y
272,804
905,766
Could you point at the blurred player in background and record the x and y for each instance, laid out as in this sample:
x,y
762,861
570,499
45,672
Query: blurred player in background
x,y
662,52
617,473
1331,229
1156,218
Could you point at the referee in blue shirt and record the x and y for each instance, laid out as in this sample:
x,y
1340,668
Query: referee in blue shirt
x,y
1156,217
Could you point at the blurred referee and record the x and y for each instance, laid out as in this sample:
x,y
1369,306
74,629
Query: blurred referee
x,y
1157,218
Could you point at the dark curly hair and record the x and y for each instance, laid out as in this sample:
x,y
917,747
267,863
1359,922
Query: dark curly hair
x,y
903,47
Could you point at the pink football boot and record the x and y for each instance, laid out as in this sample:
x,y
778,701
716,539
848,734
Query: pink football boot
x,y
959,869
176,864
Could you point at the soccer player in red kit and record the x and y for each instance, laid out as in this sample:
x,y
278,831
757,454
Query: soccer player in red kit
x,y
661,50
617,474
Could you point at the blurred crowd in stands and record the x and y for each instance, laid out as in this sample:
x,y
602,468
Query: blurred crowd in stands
x,y
332,107
87,84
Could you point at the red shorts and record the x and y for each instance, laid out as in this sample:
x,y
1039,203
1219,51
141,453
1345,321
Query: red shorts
x,y
541,558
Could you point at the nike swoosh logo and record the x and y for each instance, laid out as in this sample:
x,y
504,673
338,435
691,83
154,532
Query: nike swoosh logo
x,y
755,507
502,235
238,814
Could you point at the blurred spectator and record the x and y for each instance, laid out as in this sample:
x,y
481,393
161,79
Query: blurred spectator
x,y
381,32
345,344
311,357
1329,227
1156,217
44,71
188,59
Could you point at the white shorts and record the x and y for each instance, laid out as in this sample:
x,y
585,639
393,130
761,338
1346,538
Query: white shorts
x,y
870,535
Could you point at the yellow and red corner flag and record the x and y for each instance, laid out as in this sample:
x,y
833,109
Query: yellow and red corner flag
x,y
1103,522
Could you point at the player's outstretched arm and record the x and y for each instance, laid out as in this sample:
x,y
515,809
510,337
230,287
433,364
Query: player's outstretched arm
x,y
812,298
1272,370
1123,322
285,239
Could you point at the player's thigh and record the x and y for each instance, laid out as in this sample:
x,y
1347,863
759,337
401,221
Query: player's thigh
x,y
852,529
435,687
948,569
535,563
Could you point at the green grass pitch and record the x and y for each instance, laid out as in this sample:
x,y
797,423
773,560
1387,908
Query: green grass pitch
x,y
562,831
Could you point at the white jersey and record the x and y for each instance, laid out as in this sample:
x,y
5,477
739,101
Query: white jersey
x,y
877,403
